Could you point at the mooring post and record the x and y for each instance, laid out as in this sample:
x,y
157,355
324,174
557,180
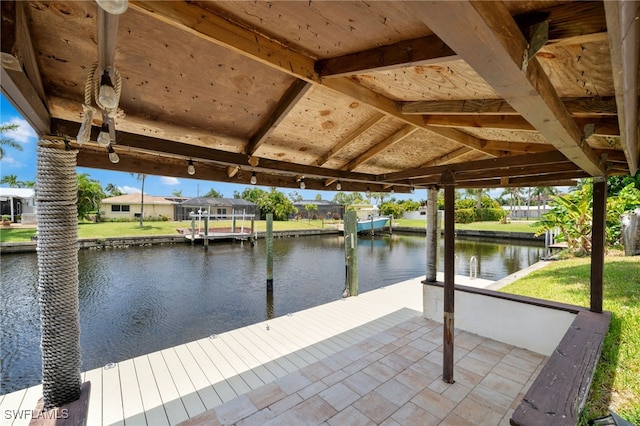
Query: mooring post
x,y
351,250
206,233
269,239
193,230
432,234
233,223
597,242
253,235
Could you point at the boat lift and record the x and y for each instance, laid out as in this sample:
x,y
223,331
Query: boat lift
x,y
235,232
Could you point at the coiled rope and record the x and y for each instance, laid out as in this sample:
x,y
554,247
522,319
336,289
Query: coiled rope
x,y
92,87
57,247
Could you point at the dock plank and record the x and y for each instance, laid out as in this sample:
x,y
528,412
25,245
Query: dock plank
x,y
171,400
11,406
278,365
238,364
131,399
29,402
206,391
217,380
190,398
94,410
153,409
236,381
112,410
248,358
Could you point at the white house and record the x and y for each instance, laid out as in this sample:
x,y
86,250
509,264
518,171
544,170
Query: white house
x,y
18,202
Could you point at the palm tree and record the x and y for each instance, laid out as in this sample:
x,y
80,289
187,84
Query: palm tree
x,y
477,193
12,181
141,177
8,142
515,196
112,190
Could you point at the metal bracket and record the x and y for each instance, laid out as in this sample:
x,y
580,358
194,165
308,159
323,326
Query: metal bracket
x,y
538,37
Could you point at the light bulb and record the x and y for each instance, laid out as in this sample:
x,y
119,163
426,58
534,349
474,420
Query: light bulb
x,y
113,156
103,138
339,186
302,184
392,190
191,169
254,178
115,7
107,94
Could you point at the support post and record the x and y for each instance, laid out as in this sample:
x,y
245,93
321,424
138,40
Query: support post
x,y
58,275
432,234
597,242
269,239
351,251
449,277
253,235
206,233
193,230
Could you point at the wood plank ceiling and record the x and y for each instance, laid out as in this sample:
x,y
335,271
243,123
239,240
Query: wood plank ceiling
x,y
374,95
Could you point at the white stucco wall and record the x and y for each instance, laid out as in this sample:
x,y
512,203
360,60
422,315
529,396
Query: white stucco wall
x,y
527,326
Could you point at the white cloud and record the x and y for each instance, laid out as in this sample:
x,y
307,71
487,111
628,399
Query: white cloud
x,y
11,161
129,189
23,134
169,180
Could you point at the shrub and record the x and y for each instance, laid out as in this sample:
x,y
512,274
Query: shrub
x,y
465,215
490,215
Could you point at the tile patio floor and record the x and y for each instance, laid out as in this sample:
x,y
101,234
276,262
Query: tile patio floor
x,y
392,378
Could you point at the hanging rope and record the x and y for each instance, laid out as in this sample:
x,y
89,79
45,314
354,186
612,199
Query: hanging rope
x,y
58,275
92,87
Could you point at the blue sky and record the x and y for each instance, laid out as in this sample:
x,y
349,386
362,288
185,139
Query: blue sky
x,y
23,165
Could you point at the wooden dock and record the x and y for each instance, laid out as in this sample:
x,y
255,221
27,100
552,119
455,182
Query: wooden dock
x,y
177,383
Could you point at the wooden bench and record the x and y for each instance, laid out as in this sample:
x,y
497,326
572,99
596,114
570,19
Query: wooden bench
x,y
558,394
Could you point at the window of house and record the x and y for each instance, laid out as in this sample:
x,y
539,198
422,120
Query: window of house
x,y
120,208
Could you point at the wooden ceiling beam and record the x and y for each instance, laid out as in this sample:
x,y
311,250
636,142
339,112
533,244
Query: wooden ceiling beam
x,y
364,127
150,145
404,132
291,97
552,157
623,21
420,51
448,157
577,107
492,44
568,24
603,126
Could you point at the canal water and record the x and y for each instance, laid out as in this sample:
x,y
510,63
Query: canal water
x,y
138,300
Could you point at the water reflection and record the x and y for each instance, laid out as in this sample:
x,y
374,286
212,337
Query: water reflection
x,y
139,300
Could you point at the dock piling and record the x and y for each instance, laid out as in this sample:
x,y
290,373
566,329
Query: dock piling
x,y
351,251
269,240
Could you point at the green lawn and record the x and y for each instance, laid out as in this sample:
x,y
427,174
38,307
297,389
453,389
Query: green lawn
x,y
514,226
131,229
617,379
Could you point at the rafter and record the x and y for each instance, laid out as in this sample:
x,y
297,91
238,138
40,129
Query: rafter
x,y
448,157
552,157
380,146
372,121
605,106
291,97
603,126
492,44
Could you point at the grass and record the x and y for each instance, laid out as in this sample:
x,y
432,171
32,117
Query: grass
x,y
616,382
514,226
132,229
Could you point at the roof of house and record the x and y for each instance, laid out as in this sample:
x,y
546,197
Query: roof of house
x,y
137,199
381,96
17,192
217,202
316,202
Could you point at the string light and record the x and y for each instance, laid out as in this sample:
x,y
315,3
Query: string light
x,y
104,139
254,178
302,184
115,7
113,156
107,94
339,186
191,169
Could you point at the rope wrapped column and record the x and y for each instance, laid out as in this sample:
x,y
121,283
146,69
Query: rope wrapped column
x,y
57,215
